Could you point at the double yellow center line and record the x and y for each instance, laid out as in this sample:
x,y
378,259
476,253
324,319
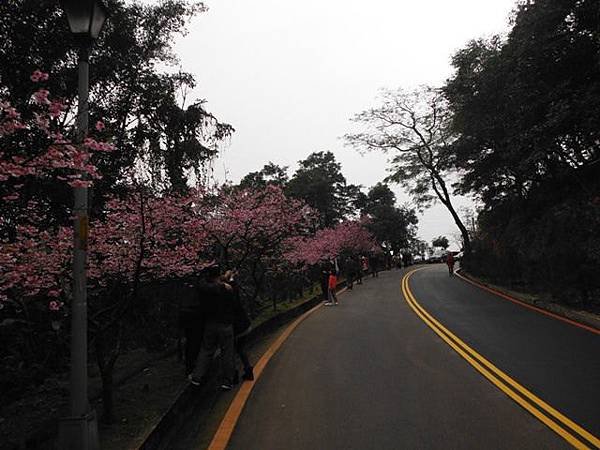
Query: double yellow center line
x,y
560,424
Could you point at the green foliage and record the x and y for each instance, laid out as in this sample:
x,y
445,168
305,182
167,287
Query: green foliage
x,y
528,142
548,242
392,226
270,174
526,109
320,183
441,241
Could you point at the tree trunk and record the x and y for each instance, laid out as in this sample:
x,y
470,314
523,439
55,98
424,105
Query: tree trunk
x,y
444,197
106,364
108,415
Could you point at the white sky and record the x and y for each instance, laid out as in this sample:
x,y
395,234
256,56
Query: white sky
x,y
288,75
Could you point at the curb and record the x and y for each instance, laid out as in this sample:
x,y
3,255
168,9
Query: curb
x,y
577,318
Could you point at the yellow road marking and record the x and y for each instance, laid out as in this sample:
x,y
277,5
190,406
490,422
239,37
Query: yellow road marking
x,y
496,376
225,430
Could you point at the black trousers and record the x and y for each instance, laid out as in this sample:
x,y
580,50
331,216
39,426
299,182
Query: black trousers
x,y
325,291
193,342
216,335
192,324
240,349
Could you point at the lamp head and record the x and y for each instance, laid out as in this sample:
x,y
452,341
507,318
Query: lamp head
x,y
85,17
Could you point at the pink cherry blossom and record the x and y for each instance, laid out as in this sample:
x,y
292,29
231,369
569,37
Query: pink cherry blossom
x,y
348,236
41,97
38,75
80,183
55,108
12,197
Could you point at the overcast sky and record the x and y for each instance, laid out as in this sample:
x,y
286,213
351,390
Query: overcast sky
x,y
289,75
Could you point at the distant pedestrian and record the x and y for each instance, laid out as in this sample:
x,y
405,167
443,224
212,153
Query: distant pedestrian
x,y
332,287
358,269
218,305
374,265
450,262
241,326
324,281
405,259
364,264
350,270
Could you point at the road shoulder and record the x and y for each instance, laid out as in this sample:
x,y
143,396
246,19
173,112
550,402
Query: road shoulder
x,y
585,318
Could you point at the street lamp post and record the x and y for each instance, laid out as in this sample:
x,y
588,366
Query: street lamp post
x,y
79,431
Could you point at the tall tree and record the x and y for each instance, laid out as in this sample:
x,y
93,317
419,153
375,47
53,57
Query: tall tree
x,y
392,226
441,242
320,183
415,126
270,174
525,108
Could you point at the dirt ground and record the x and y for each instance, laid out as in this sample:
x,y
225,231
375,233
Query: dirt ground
x,y
141,402
32,422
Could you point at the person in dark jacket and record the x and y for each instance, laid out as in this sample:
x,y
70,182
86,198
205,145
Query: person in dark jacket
x,y
241,325
374,265
191,320
324,280
356,261
450,263
349,269
218,306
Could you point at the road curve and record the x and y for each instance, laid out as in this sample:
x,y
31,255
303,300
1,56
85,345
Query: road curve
x,y
555,360
370,374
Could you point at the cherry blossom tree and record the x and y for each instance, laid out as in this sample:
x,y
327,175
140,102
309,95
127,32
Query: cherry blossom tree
x,y
29,262
350,236
141,238
35,251
250,229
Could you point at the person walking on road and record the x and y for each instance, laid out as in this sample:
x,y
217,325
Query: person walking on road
x,y
332,287
450,262
218,304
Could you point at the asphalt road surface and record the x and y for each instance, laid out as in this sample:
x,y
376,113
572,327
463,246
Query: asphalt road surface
x,y
370,374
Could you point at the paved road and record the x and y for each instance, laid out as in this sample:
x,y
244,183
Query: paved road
x,y
369,374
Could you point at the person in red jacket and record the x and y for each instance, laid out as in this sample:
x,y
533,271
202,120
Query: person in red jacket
x,y
332,286
450,262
